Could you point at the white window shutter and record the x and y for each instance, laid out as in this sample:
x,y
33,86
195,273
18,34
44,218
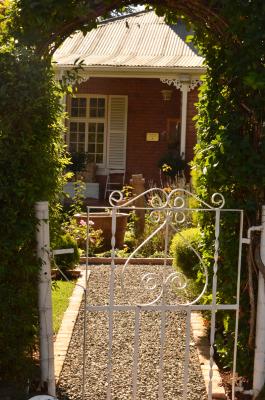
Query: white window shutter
x,y
117,132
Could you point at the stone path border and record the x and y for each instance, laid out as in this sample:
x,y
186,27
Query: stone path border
x,y
64,335
199,331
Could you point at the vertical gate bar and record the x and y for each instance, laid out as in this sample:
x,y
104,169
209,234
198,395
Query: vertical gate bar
x,y
187,355
213,309
163,318
161,353
237,302
85,305
166,239
84,346
111,298
87,242
136,351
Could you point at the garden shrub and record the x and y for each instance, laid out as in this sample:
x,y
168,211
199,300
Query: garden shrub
x,y
77,229
67,262
78,162
129,240
181,251
32,161
130,237
156,244
75,223
172,164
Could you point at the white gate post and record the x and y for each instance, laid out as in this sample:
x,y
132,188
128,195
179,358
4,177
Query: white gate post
x,y
259,360
45,298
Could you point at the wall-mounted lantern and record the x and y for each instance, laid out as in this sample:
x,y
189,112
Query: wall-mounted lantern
x,y
166,94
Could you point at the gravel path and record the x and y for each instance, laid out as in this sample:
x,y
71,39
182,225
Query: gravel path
x,y
70,385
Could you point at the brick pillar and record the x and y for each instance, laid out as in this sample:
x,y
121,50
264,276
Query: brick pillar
x,y
137,182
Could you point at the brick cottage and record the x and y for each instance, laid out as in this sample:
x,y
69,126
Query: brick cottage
x,y
134,104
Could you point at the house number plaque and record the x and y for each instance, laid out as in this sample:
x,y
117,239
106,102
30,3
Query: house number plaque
x,y
152,137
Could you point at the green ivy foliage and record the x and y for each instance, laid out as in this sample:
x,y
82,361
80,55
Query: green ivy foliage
x,y
31,164
230,153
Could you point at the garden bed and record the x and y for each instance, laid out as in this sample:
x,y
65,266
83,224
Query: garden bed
x,y
70,274
121,260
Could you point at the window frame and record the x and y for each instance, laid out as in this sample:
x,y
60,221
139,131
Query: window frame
x,y
87,119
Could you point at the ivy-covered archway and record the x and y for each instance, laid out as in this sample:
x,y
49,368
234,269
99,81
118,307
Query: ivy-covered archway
x,y
229,157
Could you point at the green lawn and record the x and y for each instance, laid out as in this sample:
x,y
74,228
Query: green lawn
x,y
61,294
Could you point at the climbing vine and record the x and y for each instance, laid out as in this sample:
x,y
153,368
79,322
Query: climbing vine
x,y
229,156
31,165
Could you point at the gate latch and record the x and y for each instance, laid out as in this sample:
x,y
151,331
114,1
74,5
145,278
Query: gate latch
x,y
251,229
62,251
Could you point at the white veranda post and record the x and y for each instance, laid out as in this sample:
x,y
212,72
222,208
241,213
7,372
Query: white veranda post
x,y
184,104
184,83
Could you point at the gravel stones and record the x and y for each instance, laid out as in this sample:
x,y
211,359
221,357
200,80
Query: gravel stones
x,y
123,342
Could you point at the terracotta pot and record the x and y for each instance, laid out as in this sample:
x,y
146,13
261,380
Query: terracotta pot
x,y
103,221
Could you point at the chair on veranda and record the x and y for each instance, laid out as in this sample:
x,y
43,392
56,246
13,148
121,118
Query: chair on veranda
x,y
115,180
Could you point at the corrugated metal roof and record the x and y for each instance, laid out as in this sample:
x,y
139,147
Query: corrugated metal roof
x,y
136,40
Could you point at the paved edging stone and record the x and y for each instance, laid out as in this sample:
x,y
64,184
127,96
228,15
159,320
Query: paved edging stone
x,y
64,335
199,332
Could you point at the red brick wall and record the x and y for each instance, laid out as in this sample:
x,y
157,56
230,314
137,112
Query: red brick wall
x,y
147,112
191,137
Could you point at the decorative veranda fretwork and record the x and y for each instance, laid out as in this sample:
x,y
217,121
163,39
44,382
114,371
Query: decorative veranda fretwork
x,y
71,77
178,83
165,290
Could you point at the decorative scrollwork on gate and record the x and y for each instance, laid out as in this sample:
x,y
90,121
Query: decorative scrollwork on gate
x,y
169,211
158,198
158,285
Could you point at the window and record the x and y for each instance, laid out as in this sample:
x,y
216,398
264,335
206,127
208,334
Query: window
x,y
77,137
78,107
97,108
87,127
96,142
97,125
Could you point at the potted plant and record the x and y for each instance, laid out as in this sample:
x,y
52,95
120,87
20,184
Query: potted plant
x,y
81,167
172,164
102,221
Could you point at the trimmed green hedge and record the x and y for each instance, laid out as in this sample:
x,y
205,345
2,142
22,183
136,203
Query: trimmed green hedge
x,y
183,255
67,261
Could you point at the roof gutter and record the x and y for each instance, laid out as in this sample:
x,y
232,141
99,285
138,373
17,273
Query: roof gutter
x,y
133,72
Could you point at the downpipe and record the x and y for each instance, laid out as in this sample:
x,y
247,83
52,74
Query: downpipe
x,y
240,389
259,358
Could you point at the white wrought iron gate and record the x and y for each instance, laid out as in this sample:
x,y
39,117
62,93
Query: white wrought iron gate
x,y
158,292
